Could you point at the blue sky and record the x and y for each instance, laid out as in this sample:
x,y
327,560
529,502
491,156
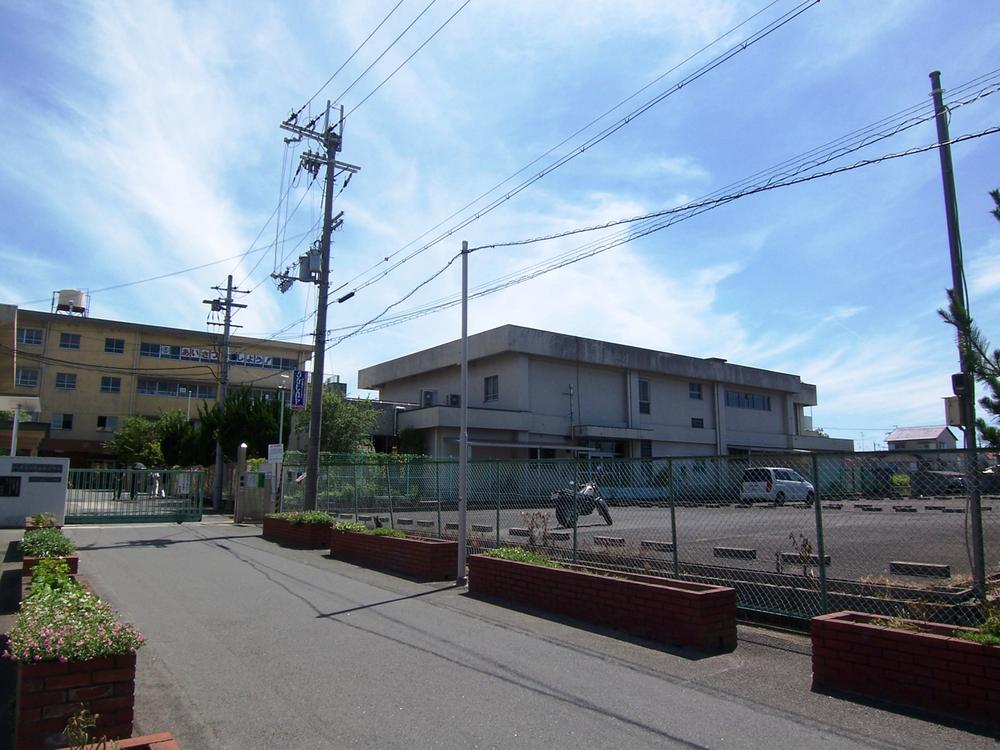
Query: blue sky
x,y
142,139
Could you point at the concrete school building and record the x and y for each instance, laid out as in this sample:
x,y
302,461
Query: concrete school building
x,y
82,376
539,394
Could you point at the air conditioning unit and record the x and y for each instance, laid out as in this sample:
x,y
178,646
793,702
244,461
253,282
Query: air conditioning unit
x,y
428,398
454,399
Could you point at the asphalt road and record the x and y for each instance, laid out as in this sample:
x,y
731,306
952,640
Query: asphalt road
x,y
255,646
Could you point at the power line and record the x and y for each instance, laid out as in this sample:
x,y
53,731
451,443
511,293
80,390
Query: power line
x,y
732,52
412,55
624,238
537,159
344,64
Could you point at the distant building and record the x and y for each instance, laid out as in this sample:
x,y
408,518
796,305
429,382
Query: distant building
x,y
87,374
535,393
938,437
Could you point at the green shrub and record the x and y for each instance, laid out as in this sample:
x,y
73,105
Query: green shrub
x,y
68,624
50,574
46,543
989,631
300,517
386,532
352,527
519,554
43,520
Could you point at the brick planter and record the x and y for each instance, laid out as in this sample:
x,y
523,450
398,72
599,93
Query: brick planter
x,y
926,669
27,563
161,741
697,615
435,559
305,535
49,692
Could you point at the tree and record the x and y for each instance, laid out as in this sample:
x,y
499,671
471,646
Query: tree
x,y
346,426
136,441
975,348
244,419
177,438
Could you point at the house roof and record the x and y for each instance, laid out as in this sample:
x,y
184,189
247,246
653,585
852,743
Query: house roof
x,y
901,434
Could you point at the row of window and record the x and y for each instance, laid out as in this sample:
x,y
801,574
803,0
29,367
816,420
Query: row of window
x,y
105,423
66,381
194,354
742,400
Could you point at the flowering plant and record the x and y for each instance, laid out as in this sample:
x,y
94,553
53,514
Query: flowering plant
x,y
46,542
68,624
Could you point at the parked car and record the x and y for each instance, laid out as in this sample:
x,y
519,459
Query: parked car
x,y
775,484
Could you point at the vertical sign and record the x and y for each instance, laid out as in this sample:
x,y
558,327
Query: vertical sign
x,y
298,402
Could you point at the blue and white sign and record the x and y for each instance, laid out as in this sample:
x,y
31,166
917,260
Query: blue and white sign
x,y
298,402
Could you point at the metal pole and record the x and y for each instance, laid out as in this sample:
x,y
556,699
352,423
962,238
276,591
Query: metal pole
x,y
824,601
463,435
498,503
281,416
968,398
223,389
13,431
331,143
576,510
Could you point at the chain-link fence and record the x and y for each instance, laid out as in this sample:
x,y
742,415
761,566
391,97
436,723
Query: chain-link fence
x,y
795,534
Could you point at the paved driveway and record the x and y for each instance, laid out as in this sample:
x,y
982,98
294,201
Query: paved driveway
x,y
255,646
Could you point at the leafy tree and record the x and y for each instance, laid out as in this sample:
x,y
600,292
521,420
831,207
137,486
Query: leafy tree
x,y
411,441
136,441
984,363
243,420
346,426
177,438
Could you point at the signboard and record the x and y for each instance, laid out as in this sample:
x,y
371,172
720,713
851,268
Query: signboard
x,y
298,402
192,352
275,453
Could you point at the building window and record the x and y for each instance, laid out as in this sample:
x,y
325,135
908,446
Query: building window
x,y
107,424
114,346
491,388
643,396
29,335
740,400
62,421
697,422
69,340
66,381
171,388
110,384
645,448
694,391
26,377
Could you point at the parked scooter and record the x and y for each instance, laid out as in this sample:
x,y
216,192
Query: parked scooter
x,y
569,505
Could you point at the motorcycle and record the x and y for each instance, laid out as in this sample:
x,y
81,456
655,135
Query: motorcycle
x,y
570,505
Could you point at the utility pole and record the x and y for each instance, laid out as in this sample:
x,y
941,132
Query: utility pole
x,y
463,429
964,384
222,305
331,140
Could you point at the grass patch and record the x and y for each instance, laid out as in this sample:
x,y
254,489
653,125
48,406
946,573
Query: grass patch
x,y
300,517
519,554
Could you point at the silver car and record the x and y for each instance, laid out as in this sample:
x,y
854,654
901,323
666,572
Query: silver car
x,y
775,484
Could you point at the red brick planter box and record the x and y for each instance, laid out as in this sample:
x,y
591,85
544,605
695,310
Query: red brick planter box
x,y
49,692
161,741
696,615
305,535
27,563
435,559
926,669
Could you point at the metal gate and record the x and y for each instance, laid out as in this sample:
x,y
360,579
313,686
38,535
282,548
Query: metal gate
x,y
134,495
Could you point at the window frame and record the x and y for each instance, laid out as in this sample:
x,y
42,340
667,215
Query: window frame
x,y
69,340
23,338
695,391
65,381
65,421
698,423
645,404
491,388
18,377
112,418
113,345
111,384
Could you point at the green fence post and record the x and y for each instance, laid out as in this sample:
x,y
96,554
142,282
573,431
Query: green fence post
x,y
498,503
673,515
820,546
437,492
576,510
388,487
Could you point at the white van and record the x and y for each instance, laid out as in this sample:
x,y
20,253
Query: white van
x,y
775,484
